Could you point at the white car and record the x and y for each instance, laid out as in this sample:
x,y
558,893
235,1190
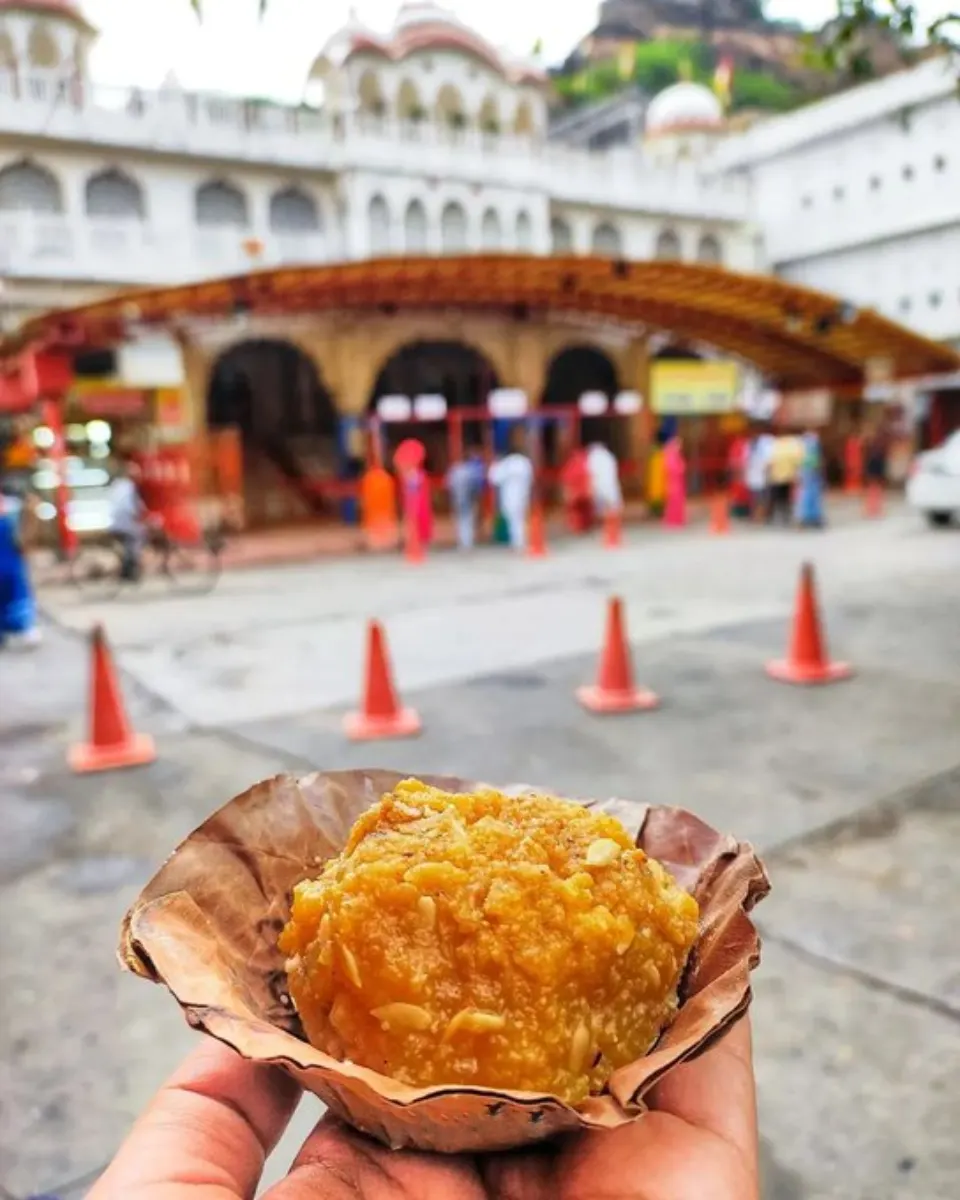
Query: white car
x,y
934,484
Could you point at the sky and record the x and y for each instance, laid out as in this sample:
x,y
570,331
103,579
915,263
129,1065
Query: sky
x,y
141,41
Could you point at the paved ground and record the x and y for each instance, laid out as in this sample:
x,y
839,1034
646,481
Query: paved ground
x,y
851,792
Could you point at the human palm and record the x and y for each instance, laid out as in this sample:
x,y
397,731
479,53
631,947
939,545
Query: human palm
x,y
208,1132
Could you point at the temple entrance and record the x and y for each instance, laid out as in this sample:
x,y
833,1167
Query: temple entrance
x,y
573,373
270,393
458,372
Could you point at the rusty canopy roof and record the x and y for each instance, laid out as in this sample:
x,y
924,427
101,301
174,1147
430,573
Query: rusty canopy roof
x,y
796,337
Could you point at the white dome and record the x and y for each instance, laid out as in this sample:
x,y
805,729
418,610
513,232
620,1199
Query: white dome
x,y
684,106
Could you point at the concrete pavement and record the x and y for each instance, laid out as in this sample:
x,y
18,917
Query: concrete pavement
x,y
851,792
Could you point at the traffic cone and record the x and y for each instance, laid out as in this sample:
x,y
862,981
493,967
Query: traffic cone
x,y
413,550
381,715
612,530
807,661
537,541
720,515
873,501
112,743
615,691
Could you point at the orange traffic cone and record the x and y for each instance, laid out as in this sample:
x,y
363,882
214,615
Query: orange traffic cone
x,y
381,715
112,743
537,542
807,661
413,550
873,501
720,515
615,691
612,530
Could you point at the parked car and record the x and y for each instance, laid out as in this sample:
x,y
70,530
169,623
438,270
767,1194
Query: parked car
x,y
934,484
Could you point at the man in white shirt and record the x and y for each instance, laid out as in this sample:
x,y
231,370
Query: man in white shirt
x,y
512,476
126,519
604,480
756,475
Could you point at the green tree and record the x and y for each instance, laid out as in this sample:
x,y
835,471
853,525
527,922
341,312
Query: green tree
x,y
843,46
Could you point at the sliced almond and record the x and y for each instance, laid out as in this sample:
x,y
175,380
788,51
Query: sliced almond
x,y
435,875
580,1048
603,852
350,967
403,1016
474,1020
427,908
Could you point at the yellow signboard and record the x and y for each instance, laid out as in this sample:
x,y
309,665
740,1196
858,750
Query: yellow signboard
x,y
682,386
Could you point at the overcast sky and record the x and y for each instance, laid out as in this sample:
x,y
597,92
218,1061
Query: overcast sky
x,y
142,40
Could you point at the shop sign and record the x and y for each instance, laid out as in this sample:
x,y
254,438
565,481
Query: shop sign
x,y
170,408
394,408
627,403
681,387
811,408
119,403
507,403
430,407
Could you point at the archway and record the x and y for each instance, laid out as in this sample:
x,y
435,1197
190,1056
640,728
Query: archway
x,y
573,372
459,372
271,394
114,194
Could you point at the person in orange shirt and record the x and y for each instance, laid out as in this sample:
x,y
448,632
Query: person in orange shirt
x,y
378,508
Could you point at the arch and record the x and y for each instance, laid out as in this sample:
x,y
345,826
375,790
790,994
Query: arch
x,y
606,240
27,187
450,107
460,372
409,104
709,249
453,228
491,234
524,231
488,117
524,123
370,94
272,392
113,193
575,369
668,248
561,236
219,204
415,228
42,48
378,217
293,211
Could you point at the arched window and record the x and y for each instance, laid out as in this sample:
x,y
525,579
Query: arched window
x,y
293,211
489,116
491,235
668,245
561,236
42,48
523,123
25,187
453,228
409,105
111,193
606,240
524,231
415,228
709,249
371,95
378,215
450,109
221,204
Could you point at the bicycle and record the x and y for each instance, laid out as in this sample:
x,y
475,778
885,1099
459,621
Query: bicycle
x,y
101,569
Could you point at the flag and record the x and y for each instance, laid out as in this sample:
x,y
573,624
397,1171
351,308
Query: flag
x,y
723,81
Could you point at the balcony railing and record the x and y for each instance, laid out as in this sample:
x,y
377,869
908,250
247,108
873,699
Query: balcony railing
x,y
135,252
216,127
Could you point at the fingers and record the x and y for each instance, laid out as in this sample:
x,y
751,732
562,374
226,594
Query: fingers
x,y
209,1128
717,1091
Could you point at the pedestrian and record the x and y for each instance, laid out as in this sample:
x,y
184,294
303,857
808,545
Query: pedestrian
x,y
465,481
512,476
604,474
786,456
737,460
675,477
127,518
809,505
758,463
875,459
577,491
417,503
18,606
378,508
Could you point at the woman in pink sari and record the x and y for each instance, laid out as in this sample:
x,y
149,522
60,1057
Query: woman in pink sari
x,y
675,471
417,504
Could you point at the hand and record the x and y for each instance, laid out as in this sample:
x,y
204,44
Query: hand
x,y
208,1132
